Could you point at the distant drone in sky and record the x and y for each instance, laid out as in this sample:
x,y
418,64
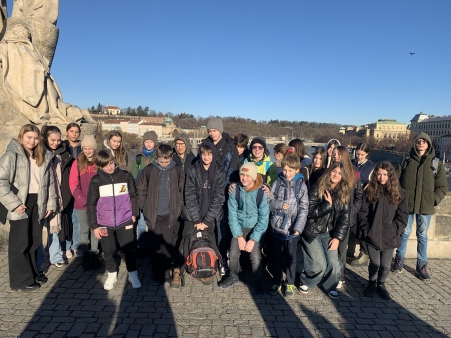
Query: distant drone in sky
x,y
411,53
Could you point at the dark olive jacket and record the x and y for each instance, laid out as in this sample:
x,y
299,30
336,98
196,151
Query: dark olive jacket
x,y
423,189
382,223
319,213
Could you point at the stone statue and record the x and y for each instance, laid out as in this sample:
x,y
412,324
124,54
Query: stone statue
x,y
27,49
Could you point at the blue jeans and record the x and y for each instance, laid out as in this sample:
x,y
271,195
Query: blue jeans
x,y
56,255
141,231
320,264
74,243
255,256
423,222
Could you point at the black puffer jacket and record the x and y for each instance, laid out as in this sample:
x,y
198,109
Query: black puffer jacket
x,y
319,213
193,196
66,163
381,223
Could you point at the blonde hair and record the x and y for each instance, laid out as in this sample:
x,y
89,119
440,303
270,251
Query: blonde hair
x,y
38,152
343,188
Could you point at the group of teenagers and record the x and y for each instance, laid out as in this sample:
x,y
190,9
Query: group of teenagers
x,y
298,212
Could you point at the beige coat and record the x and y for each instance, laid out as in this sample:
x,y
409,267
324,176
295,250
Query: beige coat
x,y
46,195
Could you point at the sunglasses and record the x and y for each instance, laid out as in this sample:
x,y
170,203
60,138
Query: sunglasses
x,y
257,148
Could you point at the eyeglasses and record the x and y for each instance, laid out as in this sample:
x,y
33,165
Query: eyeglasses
x,y
257,148
420,141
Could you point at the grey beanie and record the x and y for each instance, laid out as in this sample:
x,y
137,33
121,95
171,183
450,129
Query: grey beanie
x,y
151,135
215,123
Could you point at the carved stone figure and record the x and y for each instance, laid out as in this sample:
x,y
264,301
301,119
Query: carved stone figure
x,y
26,54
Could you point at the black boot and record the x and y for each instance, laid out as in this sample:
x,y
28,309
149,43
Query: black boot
x,y
382,291
369,289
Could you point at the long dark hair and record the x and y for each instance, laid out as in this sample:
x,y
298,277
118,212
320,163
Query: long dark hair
x,y
391,189
47,131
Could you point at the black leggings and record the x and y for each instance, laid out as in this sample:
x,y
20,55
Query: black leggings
x,y
380,263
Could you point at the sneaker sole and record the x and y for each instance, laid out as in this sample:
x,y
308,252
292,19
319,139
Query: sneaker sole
x,y
333,296
423,279
303,292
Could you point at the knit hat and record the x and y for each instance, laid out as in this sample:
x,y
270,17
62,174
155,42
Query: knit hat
x,y
89,141
151,135
215,123
258,139
250,169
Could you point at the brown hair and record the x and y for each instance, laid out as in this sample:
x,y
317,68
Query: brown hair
x,y
392,189
46,131
343,188
103,158
38,152
84,162
241,140
204,149
165,151
291,161
363,146
281,148
73,124
299,149
346,160
119,153
323,153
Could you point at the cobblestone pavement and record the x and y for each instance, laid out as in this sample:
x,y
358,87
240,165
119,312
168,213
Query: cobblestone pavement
x,y
74,304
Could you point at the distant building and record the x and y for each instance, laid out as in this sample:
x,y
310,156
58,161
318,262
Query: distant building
x,y
112,110
148,126
385,128
111,125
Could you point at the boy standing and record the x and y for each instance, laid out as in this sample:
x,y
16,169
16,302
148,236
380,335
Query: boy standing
x,y
288,203
248,221
145,157
111,209
204,197
160,197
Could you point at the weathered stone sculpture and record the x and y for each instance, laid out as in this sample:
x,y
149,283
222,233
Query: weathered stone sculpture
x,y
27,48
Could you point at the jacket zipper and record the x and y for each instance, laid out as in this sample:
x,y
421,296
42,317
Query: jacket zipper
x,y
114,200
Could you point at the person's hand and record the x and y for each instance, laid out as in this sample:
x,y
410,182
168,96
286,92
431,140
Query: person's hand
x,y
328,197
285,206
20,209
296,233
231,187
241,243
249,246
133,219
48,213
97,233
333,244
201,226
266,190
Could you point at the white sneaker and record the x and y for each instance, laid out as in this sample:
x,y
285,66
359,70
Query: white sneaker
x,y
133,278
303,289
109,283
340,284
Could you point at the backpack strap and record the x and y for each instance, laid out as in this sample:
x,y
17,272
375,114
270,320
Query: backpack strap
x,y
259,200
405,161
138,159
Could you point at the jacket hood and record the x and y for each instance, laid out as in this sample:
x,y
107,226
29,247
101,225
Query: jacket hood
x,y
296,177
61,149
107,146
425,137
15,147
170,166
210,145
332,139
183,137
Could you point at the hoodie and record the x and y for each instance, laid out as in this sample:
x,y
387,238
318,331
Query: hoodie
x,y
186,161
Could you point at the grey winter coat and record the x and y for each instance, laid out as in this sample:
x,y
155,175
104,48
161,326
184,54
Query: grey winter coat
x,y
46,195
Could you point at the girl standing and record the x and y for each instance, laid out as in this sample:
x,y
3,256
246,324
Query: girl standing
x,y
296,147
314,171
327,226
58,223
382,219
27,165
365,168
341,155
83,169
113,143
330,146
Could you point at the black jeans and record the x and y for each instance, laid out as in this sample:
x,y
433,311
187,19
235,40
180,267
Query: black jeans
x,y
25,236
380,263
161,244
287,248
125,237
342,252
255,256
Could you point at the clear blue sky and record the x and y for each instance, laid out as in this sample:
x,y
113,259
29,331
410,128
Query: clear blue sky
x,y
327,61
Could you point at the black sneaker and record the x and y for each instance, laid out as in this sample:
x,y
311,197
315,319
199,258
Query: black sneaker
x,y
398,264
229,282
382,291
422,272
369,289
